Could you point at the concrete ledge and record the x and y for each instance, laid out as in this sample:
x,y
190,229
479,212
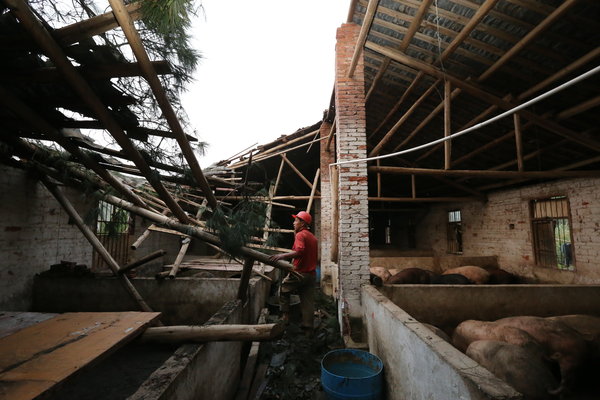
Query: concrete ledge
x,y
419,365
447,305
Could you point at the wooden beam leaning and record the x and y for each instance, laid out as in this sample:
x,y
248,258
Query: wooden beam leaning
x,y
142,260
488,174
244,279
43,38
476,91
297,171
362,36
124,19
312,192
15,104
212,333
96,244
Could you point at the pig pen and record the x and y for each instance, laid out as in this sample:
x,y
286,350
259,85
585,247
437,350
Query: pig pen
x,y
421,365
145,371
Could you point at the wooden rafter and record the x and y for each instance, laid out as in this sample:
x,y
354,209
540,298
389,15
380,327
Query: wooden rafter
x,y
22,11
362,36
133,37
484,174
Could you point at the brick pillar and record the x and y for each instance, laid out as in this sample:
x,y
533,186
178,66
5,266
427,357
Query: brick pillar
x,y
351,143
326,232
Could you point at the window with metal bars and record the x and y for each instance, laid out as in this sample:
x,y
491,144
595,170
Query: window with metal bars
x,y
551,227
113,227
454,232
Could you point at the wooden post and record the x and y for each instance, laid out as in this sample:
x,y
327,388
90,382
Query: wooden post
x,y
447,124
312,192
245,278
143,260
378,180
96,244
518,141
413,182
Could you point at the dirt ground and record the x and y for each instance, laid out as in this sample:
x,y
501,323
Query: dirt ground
x,y
294,361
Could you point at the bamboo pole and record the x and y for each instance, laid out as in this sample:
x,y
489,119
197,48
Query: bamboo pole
x,y
332,131
96,244
186,243
312,192
212,333
297,171
413,185
192,231
378,179
143,260
137,47
145,234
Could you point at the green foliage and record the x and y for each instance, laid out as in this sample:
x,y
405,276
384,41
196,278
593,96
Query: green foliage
x,y
236,226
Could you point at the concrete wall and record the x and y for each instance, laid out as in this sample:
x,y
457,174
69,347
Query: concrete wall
x,y
447,305
199,371
34,234
351,143
182,300
419,365
502,227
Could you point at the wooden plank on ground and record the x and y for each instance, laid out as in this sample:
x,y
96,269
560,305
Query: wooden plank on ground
x,y
38,357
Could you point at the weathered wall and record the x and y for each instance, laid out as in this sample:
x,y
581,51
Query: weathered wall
x,y
447,305
502,227
353,231
420,365
34,234
181,300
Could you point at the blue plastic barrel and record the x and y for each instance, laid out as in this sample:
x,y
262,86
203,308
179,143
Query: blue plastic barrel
x,y
352,374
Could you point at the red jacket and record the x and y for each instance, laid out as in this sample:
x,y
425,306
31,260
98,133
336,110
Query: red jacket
x,y
305,243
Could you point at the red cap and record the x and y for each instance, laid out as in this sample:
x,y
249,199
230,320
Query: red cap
x,y
304,216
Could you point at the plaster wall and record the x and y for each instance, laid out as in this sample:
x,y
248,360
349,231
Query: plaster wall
x,y
447,305
34,234
419,365
183,301
502,227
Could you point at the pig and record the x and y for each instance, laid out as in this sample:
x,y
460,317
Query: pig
x,y
411,276
499,276
381,272
477,275
523,368
450,279
587,325
558,341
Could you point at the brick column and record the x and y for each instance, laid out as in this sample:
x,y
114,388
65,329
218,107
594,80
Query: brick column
x,y
351,143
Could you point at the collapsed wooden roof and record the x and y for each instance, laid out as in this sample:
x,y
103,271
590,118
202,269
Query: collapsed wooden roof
x,y
481,57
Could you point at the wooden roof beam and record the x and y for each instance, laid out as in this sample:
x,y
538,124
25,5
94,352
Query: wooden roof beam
x,y
425,199
533,34
106,71
412,29
22,11
362,36
388,136
481,94
126,22
484,174
15,104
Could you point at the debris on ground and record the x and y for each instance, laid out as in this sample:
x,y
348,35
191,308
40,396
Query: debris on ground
x,y
294,361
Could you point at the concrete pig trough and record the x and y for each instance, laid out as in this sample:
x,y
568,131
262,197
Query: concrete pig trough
x,y
143,371
421,365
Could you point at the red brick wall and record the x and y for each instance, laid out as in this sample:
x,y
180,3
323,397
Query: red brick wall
x,y
351,144
502,227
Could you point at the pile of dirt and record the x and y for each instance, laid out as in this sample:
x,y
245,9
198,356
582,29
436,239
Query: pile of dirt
x,y
294,361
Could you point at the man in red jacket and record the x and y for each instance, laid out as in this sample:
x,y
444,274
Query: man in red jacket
x,y
304,253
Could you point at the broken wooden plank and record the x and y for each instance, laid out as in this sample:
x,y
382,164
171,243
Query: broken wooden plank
x,y
35,359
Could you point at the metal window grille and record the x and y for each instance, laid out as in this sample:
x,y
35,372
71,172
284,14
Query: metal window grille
x,y
551,227
113,227
454,232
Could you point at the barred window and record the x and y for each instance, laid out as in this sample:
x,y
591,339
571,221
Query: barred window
x,y
551,227
454,233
